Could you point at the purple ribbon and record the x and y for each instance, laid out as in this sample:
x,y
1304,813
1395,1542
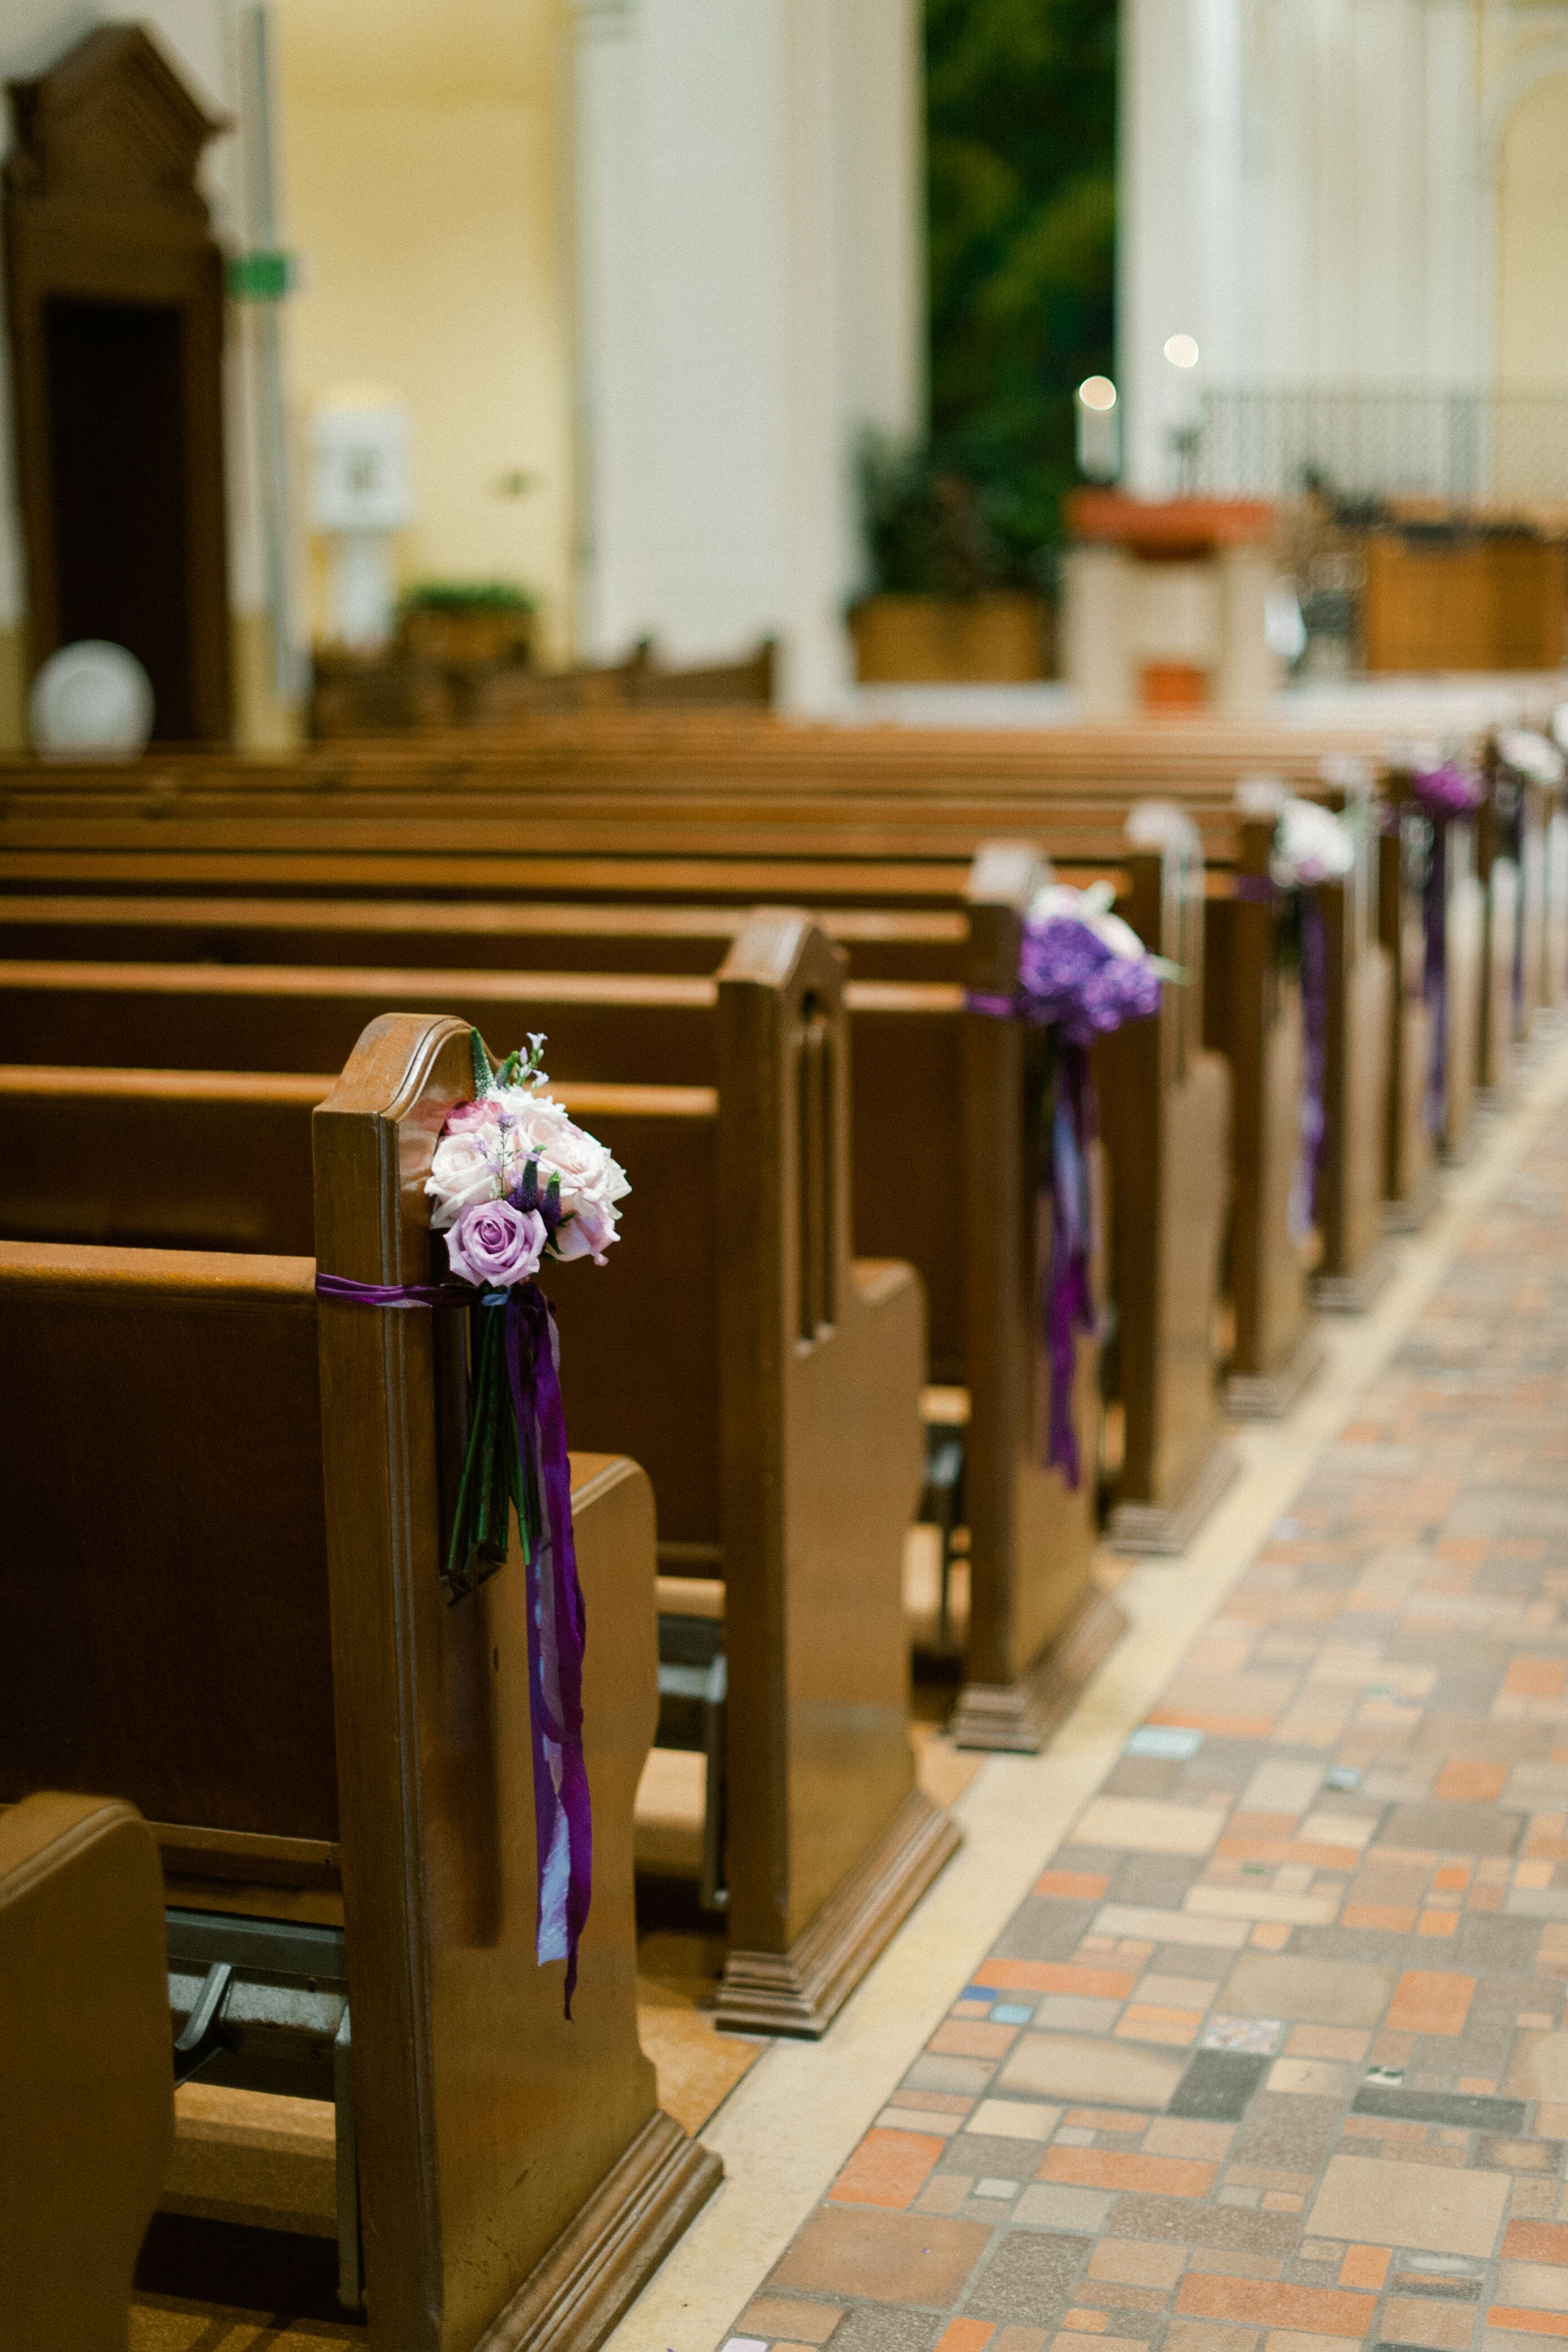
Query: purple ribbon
x,y
1304,1205
1067,1295
1434,976
1070,980
563,1827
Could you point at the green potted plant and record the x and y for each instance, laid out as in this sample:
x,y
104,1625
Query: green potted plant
x,y
468,625
949,600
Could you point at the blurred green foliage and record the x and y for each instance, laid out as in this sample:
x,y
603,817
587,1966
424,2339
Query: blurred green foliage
x,y
1020,104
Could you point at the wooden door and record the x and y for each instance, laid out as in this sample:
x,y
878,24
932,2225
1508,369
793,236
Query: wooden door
x,y
114,301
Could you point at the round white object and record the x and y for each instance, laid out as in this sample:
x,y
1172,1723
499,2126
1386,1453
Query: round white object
x,y
92,699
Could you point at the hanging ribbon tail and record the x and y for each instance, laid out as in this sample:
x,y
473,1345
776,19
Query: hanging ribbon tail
x,y
1069,1296
1435,982
558,1630
1304,1203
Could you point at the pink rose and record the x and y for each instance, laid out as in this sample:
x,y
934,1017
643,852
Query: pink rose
x,y
586,1233
495,1246
465,1117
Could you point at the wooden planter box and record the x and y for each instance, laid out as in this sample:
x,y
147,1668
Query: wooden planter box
x,y
468,640
951,640
1476,604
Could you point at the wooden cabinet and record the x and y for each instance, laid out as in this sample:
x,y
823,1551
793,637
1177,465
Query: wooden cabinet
x,y
1464,603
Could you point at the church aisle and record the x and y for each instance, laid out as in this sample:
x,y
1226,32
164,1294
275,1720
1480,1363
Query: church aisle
x,y
1269,2054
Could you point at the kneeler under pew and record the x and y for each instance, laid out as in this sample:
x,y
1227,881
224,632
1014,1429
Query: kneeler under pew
x,y
223,1600
769,1384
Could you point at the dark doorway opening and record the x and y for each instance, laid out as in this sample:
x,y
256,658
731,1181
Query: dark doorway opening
x,y
119,490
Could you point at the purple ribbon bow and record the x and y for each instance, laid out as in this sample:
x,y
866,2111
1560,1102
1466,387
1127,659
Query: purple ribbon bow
x,y
563,1827
1070,980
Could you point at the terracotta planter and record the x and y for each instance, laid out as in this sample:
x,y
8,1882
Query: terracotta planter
x,y
950,640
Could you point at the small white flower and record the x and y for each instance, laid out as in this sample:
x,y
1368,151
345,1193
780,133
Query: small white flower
x,y
1311,845
1531,754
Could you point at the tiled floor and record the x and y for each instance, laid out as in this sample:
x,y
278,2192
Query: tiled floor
x,y
1270,2058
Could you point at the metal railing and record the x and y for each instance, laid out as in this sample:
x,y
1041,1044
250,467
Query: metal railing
x,y
1382,441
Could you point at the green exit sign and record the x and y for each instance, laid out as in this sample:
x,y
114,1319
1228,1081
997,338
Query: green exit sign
x,y
262,277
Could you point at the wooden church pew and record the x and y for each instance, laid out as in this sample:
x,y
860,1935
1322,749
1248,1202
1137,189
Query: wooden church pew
x,y
1168,1140
356,819
908,1061
87,2094
243,1628
666,1302
1033,1537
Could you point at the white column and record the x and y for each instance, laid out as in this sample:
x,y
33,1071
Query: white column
x,y
1180,264
747,203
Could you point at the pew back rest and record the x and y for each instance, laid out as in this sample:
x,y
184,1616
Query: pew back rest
x,y
86,2101
164,1579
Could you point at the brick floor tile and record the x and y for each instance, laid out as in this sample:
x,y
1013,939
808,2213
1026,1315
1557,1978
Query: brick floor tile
x,y
1074,1886
1105,2168
888,2167
1542,2286
1364,2266
1375,2200
1323,2311
1425,2001
1423,2319
1536,2241
1130,2263
957,2039
966,2336
772,2315
1470,1777
890,2257
1203,2335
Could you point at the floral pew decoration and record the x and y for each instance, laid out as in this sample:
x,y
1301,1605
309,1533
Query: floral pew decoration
x,y
1312,845
1523,755
1444,790
516,1181
1083,973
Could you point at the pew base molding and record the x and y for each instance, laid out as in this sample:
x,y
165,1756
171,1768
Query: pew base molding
x,y
802,1991
1161,1531
1020,1717
1408,1215
599,2264
1357,1293
1270,1396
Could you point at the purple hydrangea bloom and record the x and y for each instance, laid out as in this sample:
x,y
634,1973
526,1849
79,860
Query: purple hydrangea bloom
x,y
1068,975
1447,790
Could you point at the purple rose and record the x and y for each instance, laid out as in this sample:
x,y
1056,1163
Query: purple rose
x,y
495,1246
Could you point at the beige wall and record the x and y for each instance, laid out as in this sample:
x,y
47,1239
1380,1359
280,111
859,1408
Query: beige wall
x,y
424,176
1533,239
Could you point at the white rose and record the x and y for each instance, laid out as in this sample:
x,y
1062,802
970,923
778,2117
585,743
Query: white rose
x,y
585,1168
461,1172
588,1233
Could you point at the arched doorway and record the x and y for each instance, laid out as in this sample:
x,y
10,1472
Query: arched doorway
x,y
114,301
